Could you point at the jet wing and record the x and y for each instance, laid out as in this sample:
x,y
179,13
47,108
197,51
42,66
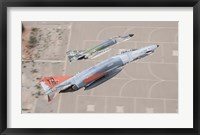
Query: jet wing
x,y
94,77
103,78
99,75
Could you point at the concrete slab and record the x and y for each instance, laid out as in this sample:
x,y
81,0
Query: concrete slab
x,y
84,101
171,106
159,90
137,88
149,106
119,105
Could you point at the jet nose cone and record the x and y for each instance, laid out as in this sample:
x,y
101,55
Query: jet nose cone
x,y
130,35
157,45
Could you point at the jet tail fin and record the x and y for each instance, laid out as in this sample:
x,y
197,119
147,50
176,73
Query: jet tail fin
x,y
46,88
48,84
52,81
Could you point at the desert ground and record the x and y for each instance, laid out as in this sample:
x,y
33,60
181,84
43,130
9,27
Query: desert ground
x,y
149,85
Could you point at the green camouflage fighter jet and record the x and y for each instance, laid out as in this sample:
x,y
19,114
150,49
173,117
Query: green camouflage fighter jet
x,y
97,50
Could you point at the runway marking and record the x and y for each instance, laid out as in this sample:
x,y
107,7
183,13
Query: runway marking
x,y
143,79
162,54
135,41
155,63
164,106
150,89
51,61
149,110
135,108
146,98
129,76
176,37
109,27
76,103
34,105
126,31
149,68
105,107
90,108
119,109
122,88
65,64
93,60
131,27
174,52
150,34
89,60
59,103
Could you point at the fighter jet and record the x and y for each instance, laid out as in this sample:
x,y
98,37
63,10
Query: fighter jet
x,y
95,75
97,50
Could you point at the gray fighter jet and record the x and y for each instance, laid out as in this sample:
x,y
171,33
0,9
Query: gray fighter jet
x,y
97,50
95,75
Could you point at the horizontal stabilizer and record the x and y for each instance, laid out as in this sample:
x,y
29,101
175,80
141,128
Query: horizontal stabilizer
x,y
52,96
74,55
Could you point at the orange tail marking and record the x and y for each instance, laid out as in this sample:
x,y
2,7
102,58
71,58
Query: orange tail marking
x,y
52,81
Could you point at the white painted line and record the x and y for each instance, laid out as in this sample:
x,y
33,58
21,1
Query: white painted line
x,y
123,86
59,103
64,68
76,103
149,110
51,61
105,107
125,97
175,53
164,106
130,27
90,108
154,75
150,89
34,105
119,109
